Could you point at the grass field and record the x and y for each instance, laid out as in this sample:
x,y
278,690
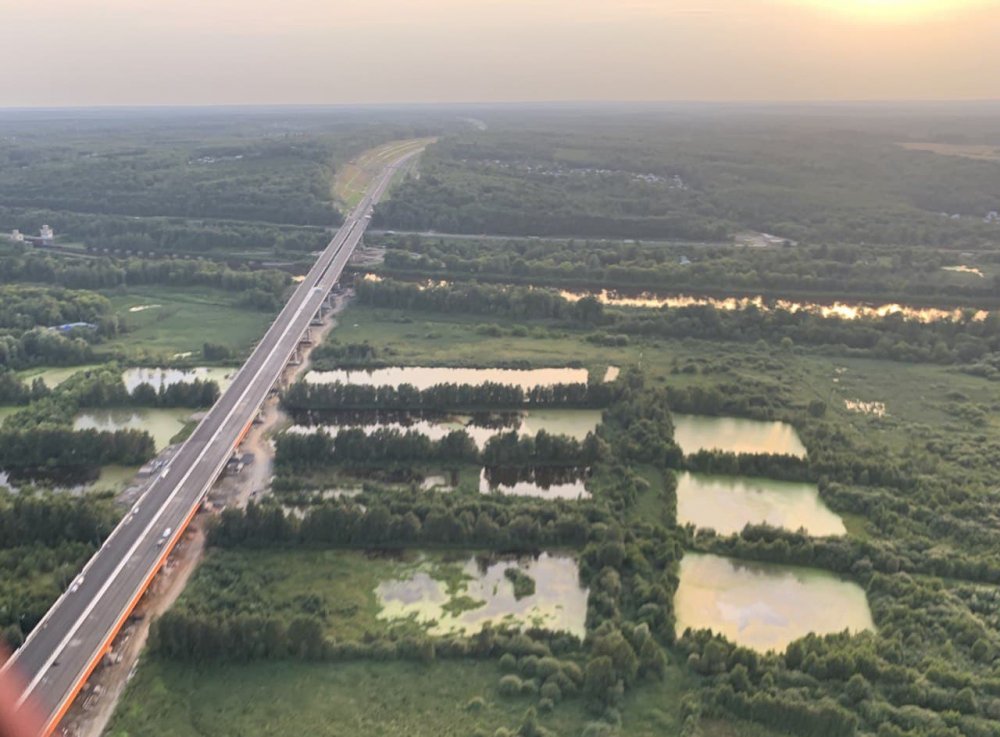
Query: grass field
x,y
368,699
175,322
353,178
338,700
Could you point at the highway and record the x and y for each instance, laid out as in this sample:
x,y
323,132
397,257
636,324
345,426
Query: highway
x,y
61,652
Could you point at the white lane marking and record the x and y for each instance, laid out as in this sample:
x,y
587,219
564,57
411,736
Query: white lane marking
x,y
142,536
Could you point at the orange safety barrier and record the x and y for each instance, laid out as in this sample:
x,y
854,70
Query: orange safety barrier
x,y
244,432
51,725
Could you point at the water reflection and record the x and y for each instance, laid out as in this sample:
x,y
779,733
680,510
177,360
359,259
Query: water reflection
x,y
736,435
424,377
843,310
163,377
481,593
764,606
539,481
727,504
162,424
575,423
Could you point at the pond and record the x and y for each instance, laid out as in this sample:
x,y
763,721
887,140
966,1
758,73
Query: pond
x,y
542,482
158,377
162,424
575,423
423,377
461,597
736,435
843,310
727,504
764,606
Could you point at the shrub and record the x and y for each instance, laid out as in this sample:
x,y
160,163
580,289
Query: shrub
x,y
475,704
550,690
510,685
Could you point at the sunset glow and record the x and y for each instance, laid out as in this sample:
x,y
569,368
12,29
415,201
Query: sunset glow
x,y
897,10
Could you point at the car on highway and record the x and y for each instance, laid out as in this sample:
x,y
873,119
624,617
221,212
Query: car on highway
x,y
164,537
76,585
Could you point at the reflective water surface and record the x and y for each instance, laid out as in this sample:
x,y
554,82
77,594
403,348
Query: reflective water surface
x,y
482,593
542,482
764,606
575,423
727,504
736,435
158,377
162,424
423,377
843,310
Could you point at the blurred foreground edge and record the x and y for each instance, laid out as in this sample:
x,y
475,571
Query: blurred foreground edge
x,y
16,721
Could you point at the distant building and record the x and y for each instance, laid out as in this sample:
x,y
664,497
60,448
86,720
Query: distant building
x,y
66,327
685,261
17,236
991,217
46,237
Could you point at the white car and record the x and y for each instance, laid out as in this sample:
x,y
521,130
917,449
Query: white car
x,y
76,585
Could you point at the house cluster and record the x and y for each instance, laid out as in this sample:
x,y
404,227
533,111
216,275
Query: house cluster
x,y
45,237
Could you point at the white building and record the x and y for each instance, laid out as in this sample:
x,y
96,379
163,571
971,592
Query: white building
x,y
17,236
46,235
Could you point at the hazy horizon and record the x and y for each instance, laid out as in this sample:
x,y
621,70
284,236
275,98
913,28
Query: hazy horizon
x,y
93,53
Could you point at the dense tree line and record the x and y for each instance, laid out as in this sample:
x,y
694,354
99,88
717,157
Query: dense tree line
x,y
52,447
159,235
837,272
764,465
388,446
41,347
384,446
27,314
479,299
482,523
27,307
308,396
107,273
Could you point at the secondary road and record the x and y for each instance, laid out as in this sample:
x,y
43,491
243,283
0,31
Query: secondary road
x,y
67,644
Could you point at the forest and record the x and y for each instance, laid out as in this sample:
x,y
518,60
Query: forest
x,y
700,178
832,272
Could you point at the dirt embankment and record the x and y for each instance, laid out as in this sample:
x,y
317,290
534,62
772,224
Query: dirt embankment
x,y
94,707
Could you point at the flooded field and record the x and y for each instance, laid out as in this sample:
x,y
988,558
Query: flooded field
x,y
544,483
843,310
576,423
423,377
736,435
764,606
161,377
162,424
727,504
461,597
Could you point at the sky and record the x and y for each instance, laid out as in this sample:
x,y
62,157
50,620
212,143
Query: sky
x,y
222,52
